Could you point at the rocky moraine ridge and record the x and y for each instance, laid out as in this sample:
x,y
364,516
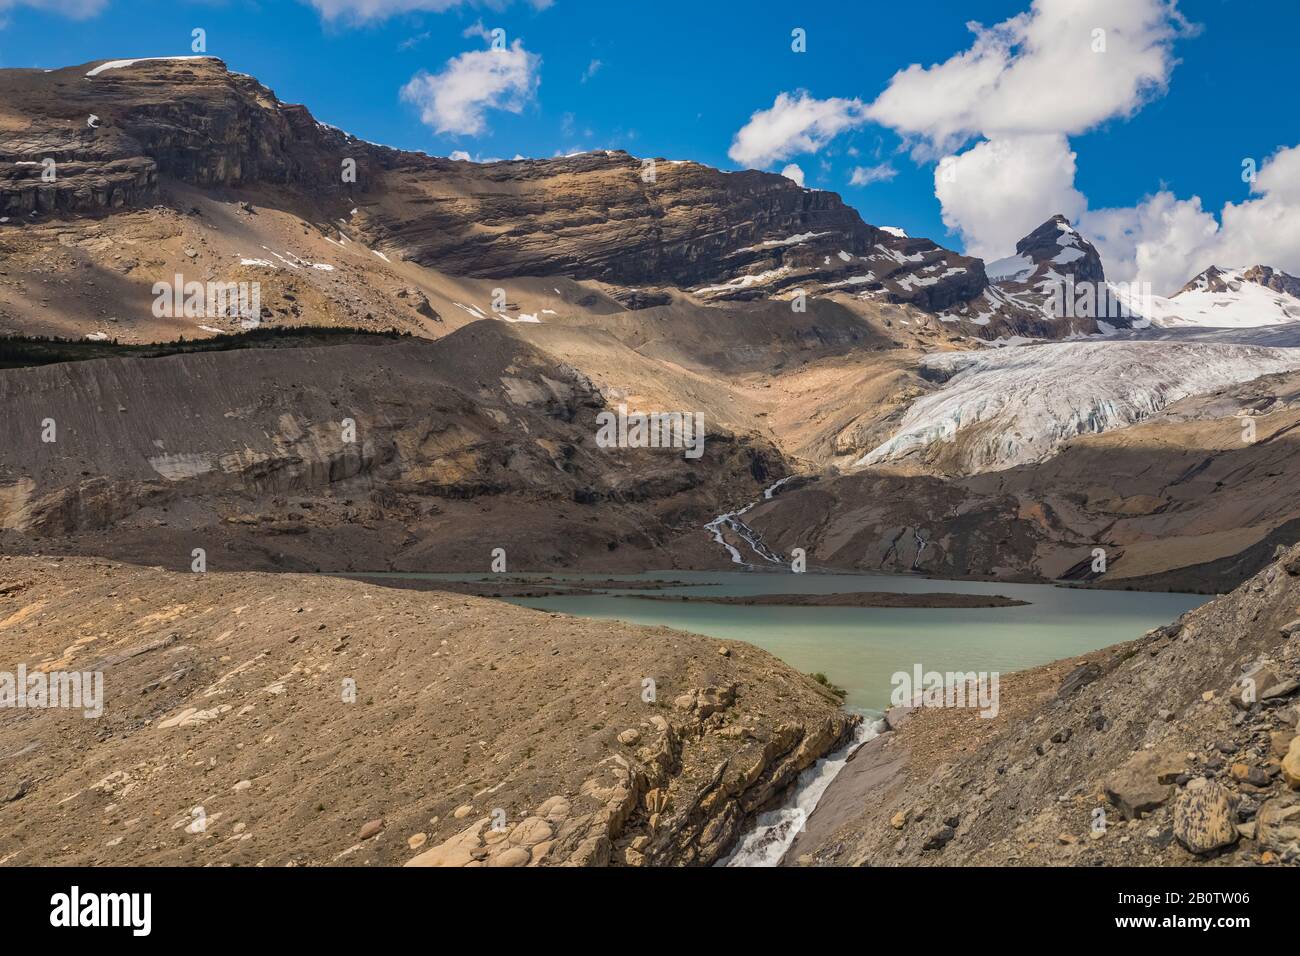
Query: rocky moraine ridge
x,y
1179,748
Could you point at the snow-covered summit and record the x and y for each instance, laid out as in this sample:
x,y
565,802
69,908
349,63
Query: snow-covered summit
x,y
1227,298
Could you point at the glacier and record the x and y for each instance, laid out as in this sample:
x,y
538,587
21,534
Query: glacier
x,y
1015,406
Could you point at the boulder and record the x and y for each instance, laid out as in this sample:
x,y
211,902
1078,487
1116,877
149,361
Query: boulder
x,y
1279,742
939,838
1136,788
710,700
1250,687
1081,676
1203,817
1282,689
1277,827
1291,764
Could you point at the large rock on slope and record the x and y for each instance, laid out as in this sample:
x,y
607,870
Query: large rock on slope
x,y
1203,817
1277,827
1142,783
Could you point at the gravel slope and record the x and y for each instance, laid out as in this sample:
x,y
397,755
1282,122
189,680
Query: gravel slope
x,y
476,727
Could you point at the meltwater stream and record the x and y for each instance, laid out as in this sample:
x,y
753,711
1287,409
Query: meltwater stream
x,y
731,519
775,830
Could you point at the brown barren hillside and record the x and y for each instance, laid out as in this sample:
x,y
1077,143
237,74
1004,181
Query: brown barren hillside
x,y
255,719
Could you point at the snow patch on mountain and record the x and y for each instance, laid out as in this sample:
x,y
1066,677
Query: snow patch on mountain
x,y
1012,267
1227,300
1014,406
121,64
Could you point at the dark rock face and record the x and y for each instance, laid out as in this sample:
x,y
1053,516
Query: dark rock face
x,y
593,216
1056,246
727,236
193,120
1058,288
1077,679
1274,279
93,170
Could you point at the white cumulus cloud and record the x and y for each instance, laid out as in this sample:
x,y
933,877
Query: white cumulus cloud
x,y
999,190
1064,66
1027,84
795,124
362,11
793,172
1165,240
866,175
457,99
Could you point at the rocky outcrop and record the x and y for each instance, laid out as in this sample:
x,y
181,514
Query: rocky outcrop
x,y
680,799
1277,827
595,216
1057,248
66,171
1053,287
1142,784
112,130
1215,279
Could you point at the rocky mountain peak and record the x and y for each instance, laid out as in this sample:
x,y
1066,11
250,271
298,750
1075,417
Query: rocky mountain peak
x,y
1052,263
113,126
1057,247
1215,279
637,224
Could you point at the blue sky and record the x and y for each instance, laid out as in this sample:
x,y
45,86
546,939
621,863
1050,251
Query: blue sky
x,y
679,80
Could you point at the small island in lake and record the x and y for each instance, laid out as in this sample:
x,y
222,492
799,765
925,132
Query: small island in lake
x,y
849,599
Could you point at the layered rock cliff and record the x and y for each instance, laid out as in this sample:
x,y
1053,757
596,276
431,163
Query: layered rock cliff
x,y
637,224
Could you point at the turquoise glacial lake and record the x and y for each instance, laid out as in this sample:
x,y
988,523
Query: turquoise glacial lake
x,y
859,649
